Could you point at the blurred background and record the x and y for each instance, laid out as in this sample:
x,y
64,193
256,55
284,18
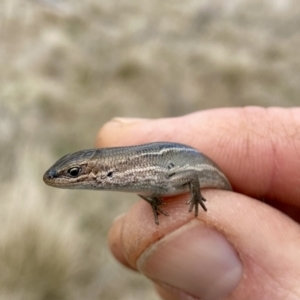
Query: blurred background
x,y
67,67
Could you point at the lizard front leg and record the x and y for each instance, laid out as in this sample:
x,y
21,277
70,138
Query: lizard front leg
x,y
155,203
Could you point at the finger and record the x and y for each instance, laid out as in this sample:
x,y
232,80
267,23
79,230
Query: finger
x,y
258,149
114,241
241,249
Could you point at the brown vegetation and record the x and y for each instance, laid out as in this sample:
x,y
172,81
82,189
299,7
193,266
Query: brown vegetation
x,y
69,66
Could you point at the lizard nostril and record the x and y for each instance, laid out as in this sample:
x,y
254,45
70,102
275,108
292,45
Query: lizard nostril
x,y
50,174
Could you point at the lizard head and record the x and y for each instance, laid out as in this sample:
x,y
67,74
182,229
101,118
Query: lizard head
x,y
71,171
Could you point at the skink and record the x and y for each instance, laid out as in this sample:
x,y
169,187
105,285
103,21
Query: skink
x,y
151,170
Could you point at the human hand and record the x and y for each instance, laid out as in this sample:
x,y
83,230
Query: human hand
x,y
247,245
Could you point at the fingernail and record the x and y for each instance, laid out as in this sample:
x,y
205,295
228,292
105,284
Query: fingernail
x,y
118,218
127,120
194,260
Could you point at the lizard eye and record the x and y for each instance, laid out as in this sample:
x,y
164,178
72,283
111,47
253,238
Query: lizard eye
x,y
74,172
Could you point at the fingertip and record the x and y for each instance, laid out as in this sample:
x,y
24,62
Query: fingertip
x,y
112,132
115,241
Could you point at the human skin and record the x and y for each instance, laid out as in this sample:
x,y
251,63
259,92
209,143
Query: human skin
x,y
247,245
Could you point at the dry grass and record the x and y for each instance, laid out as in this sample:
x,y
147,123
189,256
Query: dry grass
x,y
69,66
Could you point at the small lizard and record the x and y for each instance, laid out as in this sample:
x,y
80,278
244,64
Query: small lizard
x,y
151,170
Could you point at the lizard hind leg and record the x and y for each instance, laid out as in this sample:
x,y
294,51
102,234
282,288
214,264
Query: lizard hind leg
x,y
155,203
191,179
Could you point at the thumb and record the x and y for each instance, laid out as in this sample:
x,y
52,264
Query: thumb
x,y
241,249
